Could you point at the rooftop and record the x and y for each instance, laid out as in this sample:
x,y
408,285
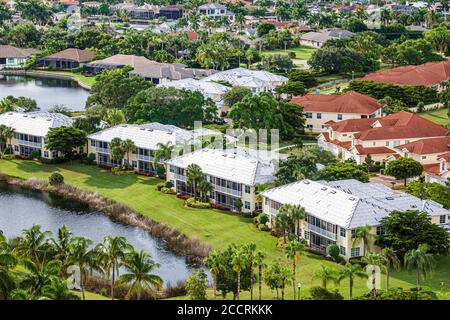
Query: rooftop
x,y
73,54
7,51
350,203
427,146
323,36
34,123
246,78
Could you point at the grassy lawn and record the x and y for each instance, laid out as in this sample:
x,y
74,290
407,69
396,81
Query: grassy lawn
x,y
437,116
211,226
91,295
89,81
301,53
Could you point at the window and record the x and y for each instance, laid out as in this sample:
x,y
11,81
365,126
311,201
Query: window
x,y
374,143
442,219
353,234
319,116
10,60
171,169
387,143
247,189
342,232
16,148
342,250
307,235
45,154
355,252
308,115
92,143
309,126
406,141
339,116
380,231
396,143
424,157
247,205
134,163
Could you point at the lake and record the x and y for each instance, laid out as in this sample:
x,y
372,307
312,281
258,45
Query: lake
x,y
46,91
20,209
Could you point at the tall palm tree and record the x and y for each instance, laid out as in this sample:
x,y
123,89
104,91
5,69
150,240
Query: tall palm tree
x,y
250,251
61,247
374,260
193,175
260,264
33,244
292,251
164,152
39,275
114,117
114,250
239,262
351,271
326,274
391,259
420,260
283,221
365,235
214,263
140,267
128,146
297,213
6,134
7,262
81,256
204,186
117,152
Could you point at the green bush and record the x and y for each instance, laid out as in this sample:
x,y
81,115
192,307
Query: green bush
x,y
263,218
263,227
333,251
193,203
168,184
167,190
320,293
77,70
34,154
160,185
56,178
247,214
90,159
400,294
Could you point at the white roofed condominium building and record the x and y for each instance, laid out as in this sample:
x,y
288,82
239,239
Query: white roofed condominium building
x,y
234,173
146,137
334,209
31,130
255,80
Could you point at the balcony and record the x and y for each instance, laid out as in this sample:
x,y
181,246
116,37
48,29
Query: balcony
x,y
273,210
37,145
102,150
180,177
226,190
322,232
141,157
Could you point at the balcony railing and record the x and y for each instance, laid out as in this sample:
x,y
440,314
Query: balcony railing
x,y
226,190
273,210
180,177
144,158
30,144
102,150
323,232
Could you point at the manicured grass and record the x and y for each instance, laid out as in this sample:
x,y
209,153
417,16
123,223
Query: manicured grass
x,y
217,228
91,295
89,81
301,53
437,116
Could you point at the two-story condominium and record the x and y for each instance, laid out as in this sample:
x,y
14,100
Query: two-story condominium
x,y
31,130
321,109
12,57
255,80
234,174
356,138
215,11
336,208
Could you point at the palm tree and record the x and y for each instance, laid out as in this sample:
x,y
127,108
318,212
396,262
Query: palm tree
x,y
283,221
140,266
39,276
292,251
240,20
214,262
114,117
373,260
114,250
421,261
164,152
297,213
259,262
363,234
81,256
239,262
325,274
250,251
204,186
58,290
117,152
33,243
7,263
391,259
6,134
193,175
351,271
128,146
61,247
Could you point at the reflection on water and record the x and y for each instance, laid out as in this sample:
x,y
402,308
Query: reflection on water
x,y
20,209
46,91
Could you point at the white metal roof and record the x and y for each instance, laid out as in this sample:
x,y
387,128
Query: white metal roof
x,y
350,203
235,165
34,123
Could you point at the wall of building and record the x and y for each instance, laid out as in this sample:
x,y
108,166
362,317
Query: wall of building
x,y
316,125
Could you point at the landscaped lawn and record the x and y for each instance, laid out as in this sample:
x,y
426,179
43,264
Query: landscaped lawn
x,y
437,116
301,53
215,227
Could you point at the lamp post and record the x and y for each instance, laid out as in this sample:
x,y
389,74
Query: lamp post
x,y
299,286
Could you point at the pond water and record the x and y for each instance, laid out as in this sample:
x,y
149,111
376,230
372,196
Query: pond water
x,y
46,91
20,209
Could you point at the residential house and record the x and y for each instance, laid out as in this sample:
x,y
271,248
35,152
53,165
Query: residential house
x,y
233,173
321,109
336,208
430,74
12,57
317,39
255,80
144,12
215,11
173,12
356,138
67,59
31,131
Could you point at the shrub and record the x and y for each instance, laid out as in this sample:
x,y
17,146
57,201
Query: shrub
x,y
160,171
56,178
168,184
34,154
90,159
191,202
263,218
400,294
160,185
333,251
167,190
263,227
320,293
247,214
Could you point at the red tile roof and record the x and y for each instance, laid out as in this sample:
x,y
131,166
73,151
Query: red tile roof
x,y
427,146
349,102
191,35
434,168
445,156
353,125
427,74
74,54
7,51
278,24
373,150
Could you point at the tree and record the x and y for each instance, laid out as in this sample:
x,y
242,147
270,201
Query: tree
x,y
196,285
364,234
368,162
81,256
439,37
292,251
342,171
32,244
351,271
127,147
325,275
213,262
373,260
7,281
391,260
259,263
420,260
5,14
38,276
333,251
277,276
204,187
264,28
6,134
239,262
430,190
304,76
283,221
164,152
235,95
117,152
65,140
291,88
404,168
139,266
406,230
57,290
24,35
35,11
193,175
114,117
